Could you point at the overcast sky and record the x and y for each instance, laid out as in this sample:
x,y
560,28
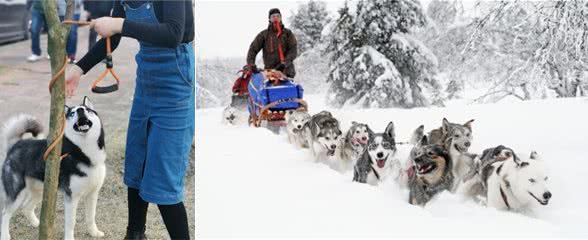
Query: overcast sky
x,y
226,28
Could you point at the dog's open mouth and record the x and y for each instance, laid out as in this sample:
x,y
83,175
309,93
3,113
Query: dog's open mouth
x,y
460,149
426,168
381,162
331,152
542,202
82,125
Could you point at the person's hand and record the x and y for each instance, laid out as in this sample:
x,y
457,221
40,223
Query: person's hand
x,y
251,67
107,26
281,67
72,80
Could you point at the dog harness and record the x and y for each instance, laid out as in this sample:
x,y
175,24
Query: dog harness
x,y
375,172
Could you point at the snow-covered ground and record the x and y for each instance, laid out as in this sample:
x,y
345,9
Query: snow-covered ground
x,y
253,183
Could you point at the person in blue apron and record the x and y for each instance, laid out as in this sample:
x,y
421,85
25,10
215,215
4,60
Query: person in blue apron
x,y
161,124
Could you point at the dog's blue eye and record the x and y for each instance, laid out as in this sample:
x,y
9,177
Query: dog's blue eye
x,y
531,180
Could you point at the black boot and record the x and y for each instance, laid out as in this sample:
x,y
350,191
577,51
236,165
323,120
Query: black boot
x,y
135,235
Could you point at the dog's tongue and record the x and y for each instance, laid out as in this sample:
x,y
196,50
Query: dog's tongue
x,y
380,163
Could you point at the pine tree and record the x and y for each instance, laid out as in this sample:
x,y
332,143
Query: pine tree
x,y
377,63
308,24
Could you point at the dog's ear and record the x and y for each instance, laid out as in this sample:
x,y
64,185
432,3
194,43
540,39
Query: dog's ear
x,y
66,109
370,132
353,123
424,141
486,152
87,102
445,125
390,130
468,124
534,155
417,135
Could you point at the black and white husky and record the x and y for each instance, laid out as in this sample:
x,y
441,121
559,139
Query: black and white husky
x,y
81,173
378,159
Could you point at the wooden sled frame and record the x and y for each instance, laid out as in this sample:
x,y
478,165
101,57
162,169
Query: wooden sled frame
x,y
267,115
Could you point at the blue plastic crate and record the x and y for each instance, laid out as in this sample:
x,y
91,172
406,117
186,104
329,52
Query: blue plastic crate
x,y
264,93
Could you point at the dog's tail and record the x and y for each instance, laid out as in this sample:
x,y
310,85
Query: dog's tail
x,y
14,129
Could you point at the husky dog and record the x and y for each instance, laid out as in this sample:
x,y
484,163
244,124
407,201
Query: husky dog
x,y
516,184
81,172
233,116
474,183
323,136
295,121
432,172
378,159
354,143
457,139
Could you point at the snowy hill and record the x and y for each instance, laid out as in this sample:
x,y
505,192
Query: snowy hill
x,y
253,183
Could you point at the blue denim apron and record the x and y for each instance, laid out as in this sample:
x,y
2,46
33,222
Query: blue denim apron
x,y
161,124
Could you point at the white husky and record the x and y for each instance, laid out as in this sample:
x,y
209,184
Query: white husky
x,y
518,185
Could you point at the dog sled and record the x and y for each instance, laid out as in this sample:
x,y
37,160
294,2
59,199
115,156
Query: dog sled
x,y
271,95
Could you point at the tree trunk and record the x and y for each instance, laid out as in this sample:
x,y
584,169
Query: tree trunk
x,y
56,49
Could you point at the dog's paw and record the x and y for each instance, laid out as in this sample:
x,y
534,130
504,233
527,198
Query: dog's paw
x,y
96,233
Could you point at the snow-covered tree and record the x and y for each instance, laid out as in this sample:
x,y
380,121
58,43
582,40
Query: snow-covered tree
x,y
308,23
376,62
514,48
214,80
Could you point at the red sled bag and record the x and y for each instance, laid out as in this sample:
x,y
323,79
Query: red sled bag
x,y
240,85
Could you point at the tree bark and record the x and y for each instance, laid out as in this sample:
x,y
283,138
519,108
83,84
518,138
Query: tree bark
x,y
56,49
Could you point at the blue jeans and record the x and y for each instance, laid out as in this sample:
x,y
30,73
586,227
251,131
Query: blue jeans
x,y
38,22
72,38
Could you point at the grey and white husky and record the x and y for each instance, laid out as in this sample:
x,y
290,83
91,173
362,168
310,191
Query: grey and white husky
x,y
295,122
474,183
379,158
354,143
81,173
457,139
323,135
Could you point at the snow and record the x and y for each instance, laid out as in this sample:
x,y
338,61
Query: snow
x,y
252,183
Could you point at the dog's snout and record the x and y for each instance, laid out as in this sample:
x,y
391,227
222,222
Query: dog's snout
x,y
380,155
467,144
547,195
364,138
299,126
333,146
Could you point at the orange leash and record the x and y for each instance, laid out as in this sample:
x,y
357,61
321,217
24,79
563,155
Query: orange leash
x,y
62,129
109,65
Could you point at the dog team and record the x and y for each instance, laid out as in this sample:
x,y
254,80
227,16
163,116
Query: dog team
x,y
438,161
